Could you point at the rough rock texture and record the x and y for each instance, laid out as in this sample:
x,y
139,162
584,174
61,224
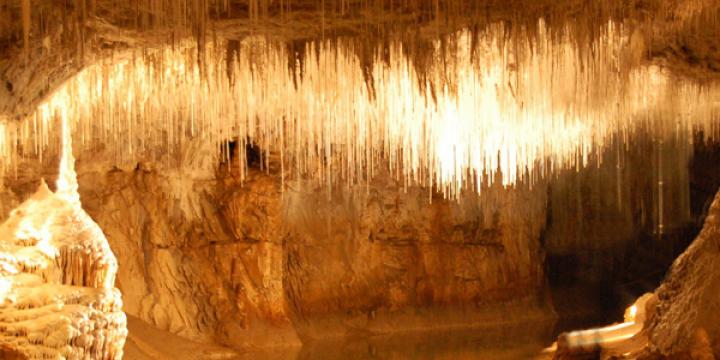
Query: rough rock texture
x,y
681,316
57,275
376,259
247,265
209,259
686,316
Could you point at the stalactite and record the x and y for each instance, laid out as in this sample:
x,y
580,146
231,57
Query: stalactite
x,y
493,106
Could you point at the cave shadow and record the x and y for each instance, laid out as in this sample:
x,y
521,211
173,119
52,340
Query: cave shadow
x,y
593,288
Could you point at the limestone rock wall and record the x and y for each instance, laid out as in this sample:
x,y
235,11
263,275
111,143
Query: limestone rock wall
x,y
250,265
377,258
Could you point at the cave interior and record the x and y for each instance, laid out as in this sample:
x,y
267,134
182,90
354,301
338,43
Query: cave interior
x,y
360,179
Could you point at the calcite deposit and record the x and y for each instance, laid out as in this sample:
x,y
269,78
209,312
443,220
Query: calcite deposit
x,y
57,278
57,272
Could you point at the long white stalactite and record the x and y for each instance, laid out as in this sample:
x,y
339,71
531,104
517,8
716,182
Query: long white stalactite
x,y
520,106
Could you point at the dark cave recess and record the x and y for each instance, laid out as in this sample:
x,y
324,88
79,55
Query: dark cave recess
x,y
593,288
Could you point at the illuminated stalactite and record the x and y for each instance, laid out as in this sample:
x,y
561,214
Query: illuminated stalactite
x,y
522,107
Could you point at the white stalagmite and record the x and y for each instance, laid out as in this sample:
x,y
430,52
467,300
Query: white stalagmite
x,y
57,277
67,186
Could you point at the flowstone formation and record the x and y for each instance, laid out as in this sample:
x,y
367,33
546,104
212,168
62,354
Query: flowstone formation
x,y
57,275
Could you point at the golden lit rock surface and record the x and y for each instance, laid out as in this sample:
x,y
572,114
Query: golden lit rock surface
x,y
250,266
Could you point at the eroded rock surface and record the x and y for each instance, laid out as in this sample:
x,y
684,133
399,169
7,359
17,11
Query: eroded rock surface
x,y
686,322
248,265
679,320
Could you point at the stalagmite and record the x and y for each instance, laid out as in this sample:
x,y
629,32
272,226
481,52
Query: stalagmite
x,y
57,275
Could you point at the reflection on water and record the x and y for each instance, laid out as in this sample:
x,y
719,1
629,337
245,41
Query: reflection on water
x,y
519,341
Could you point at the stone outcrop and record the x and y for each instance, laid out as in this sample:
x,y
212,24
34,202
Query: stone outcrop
x,y
255,265
686,322
679,320
378,258
248,265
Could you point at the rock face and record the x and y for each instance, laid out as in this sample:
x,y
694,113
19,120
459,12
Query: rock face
x,y
378,258
57,275
686,316
249,265
678,321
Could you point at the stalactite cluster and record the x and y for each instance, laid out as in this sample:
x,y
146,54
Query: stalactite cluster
x,y
486,103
